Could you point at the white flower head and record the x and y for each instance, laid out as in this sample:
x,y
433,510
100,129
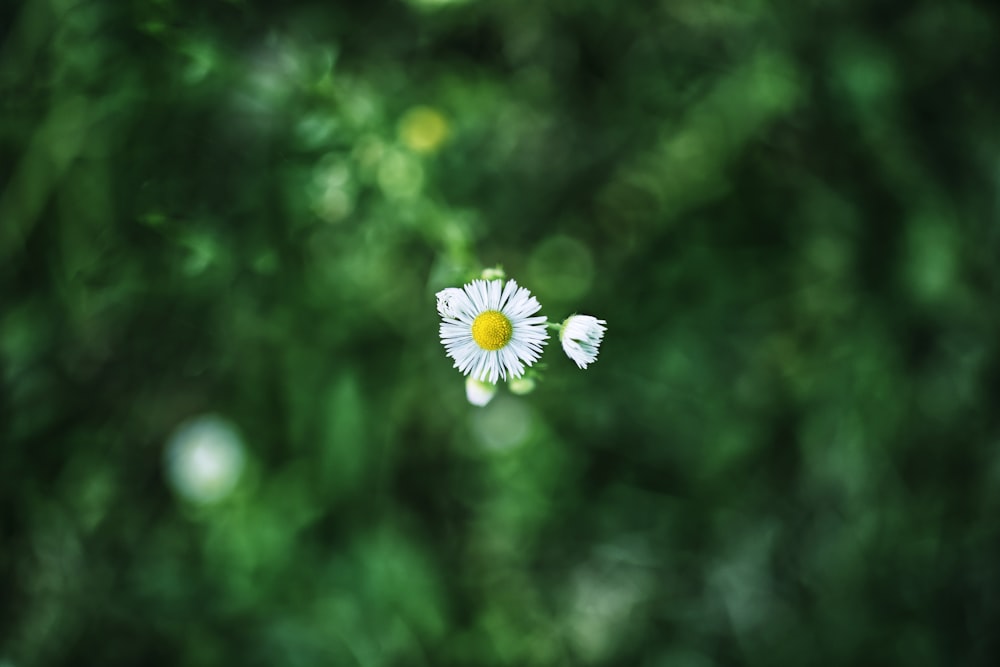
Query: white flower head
x,y
479,393
581,337
488,329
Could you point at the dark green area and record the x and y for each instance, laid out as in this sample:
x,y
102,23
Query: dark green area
x,y
788,452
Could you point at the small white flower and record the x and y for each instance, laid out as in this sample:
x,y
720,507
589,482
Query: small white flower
x,y
479,393
581,337
204,459
488,329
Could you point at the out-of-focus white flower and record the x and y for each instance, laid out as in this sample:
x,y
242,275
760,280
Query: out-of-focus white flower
x,y
581,337
204,459
488,329
479,393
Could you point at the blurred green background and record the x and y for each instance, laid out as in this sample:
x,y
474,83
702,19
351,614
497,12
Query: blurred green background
x,y
230,435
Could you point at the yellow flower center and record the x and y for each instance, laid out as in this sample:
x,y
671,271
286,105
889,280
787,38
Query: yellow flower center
x,y
492,330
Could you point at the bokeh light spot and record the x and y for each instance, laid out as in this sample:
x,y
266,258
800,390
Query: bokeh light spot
x,y
204,459
400,175
203,59
930,263
332,190
423,129
562,267
503,424
316,130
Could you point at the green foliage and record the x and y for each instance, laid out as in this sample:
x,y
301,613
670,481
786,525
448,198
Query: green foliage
x,y
786,454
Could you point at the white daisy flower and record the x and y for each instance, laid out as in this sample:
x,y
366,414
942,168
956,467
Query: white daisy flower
x,y
581,337
479,393
488,330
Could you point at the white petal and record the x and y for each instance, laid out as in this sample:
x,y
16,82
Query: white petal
x,y
450,300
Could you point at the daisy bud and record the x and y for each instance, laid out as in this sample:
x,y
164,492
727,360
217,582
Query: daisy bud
x,y
479,393
521,386
581,337
494,273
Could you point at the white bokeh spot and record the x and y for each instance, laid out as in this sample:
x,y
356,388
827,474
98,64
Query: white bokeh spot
x,y
204,459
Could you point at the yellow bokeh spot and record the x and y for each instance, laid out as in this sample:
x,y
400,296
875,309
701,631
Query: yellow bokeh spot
x,y
492,330
423,129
